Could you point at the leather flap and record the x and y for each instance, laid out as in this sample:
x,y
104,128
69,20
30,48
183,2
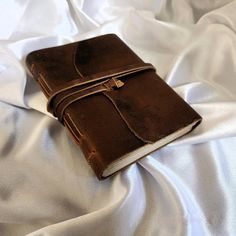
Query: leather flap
x,y
138,104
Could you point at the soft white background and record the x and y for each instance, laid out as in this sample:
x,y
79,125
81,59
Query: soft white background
x,y
186,188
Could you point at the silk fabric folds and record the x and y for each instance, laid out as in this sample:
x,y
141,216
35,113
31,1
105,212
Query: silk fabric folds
x,y
186,188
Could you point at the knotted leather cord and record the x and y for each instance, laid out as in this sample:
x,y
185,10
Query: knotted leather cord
x,y
75,96
60,106
97,77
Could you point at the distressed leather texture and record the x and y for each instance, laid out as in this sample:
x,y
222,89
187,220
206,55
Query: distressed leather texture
x,y
110,101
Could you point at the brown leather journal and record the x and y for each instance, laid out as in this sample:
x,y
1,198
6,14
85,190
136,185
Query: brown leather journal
x,y
112,103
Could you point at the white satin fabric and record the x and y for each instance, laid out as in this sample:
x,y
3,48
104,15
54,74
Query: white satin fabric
x,y
186,188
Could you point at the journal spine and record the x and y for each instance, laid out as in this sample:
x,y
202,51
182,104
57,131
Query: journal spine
x,y
92,156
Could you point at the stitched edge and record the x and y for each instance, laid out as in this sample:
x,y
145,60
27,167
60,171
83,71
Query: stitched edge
x,y
91,151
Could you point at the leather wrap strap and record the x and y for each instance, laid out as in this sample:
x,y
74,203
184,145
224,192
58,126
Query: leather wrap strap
x,y
75,90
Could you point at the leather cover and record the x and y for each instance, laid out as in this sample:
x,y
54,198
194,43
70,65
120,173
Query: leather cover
x,y
110,101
